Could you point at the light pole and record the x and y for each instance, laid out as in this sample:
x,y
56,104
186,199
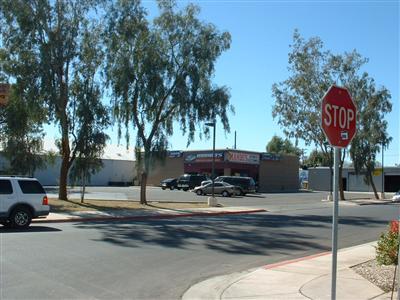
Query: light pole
x,y
213,124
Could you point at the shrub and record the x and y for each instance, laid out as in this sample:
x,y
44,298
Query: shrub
x,y
388,245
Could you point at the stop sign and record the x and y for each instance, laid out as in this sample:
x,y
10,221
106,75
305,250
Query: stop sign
x,y
338,117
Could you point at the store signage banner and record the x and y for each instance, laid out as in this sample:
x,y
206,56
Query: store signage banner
x,y
175,154
270,156
204,157
243,157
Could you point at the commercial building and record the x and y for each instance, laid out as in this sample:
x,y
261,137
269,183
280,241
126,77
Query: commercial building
x,y
114,172
319,179
272,172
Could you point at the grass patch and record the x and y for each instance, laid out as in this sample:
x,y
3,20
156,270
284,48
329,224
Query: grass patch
x,y
106,205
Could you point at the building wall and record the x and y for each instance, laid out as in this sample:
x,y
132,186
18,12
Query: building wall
x,y
113,171
319,179
172,167
279,175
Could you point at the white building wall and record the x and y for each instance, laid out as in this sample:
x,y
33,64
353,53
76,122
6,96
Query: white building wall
x,y
113,171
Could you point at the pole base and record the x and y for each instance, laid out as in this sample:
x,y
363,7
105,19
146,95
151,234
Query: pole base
x,y
212,202
382,196
329,197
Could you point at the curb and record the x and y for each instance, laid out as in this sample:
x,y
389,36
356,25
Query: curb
x,y
291,261
141,218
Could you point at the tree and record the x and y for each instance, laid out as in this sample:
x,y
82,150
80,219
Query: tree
x,y
160,72
298,98
91,117
282,146
373,104
318,158
44,42
22,141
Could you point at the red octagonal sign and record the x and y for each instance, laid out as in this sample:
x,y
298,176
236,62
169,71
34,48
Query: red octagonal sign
x,y
338,117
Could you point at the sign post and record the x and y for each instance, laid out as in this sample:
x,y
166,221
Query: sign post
x,y
338,122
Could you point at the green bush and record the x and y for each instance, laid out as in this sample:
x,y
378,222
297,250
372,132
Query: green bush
x,y
388,245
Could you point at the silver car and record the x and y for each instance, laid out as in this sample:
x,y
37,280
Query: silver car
x,y
220,188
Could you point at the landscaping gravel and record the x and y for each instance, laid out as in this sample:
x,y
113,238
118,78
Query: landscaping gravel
x,y
381,276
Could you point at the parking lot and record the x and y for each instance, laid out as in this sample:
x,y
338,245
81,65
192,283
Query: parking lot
x,y
157,194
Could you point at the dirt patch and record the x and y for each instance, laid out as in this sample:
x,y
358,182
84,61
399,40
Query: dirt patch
x,y
381,276
107,205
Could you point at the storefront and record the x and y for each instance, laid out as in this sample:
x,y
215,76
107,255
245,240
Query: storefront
x,y
272,172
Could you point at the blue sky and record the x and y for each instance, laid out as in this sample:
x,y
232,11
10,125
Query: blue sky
x,y
261,33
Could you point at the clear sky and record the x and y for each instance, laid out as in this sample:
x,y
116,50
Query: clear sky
x,y
261,33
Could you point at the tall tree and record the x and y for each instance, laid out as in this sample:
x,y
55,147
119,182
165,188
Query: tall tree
x,y
160,72
22,141
318,158
373,104
298,99
282,146
45,39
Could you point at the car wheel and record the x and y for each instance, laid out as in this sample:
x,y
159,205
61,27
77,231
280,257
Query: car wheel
x,y
171,187
225,194
199,192
21,217
163,188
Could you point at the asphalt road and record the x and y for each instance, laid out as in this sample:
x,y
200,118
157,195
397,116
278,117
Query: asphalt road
x,y
161,259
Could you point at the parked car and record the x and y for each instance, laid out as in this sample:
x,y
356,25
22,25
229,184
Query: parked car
x,y
190,181
396,196
169,183
245,185
21,200
220,188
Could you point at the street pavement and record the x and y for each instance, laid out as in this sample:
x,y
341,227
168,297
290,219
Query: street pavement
x,y
161,259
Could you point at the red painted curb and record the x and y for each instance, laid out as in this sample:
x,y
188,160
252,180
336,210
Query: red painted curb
x,y
291,261
165,216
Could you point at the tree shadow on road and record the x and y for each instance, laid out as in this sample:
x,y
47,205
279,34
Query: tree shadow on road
x,y
255,234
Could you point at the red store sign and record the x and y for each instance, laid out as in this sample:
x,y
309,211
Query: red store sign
x,y
242,157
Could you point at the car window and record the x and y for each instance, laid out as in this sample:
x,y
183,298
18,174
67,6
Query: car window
x,y
218,184
5,187
31,187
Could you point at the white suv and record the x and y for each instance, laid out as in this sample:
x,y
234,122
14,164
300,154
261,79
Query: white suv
x,y
21,200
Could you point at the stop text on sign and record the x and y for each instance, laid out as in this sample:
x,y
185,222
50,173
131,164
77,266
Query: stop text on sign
x,y
340,116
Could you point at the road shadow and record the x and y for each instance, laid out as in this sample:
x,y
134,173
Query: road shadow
x,y
255,234
32,228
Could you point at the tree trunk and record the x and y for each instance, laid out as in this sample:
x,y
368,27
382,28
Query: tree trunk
x,y
83,188
143,183
65,152
341,188
371,181
62,193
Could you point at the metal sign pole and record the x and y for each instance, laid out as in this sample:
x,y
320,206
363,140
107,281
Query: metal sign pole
x,y
335,220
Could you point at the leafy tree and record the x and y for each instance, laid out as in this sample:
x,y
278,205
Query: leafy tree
x,y
318,158
298,99
282,146
91,117
22,141
373,104
44,44
160,72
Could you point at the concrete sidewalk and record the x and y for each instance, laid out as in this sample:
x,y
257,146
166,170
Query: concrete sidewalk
x,y
304,278
141,214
